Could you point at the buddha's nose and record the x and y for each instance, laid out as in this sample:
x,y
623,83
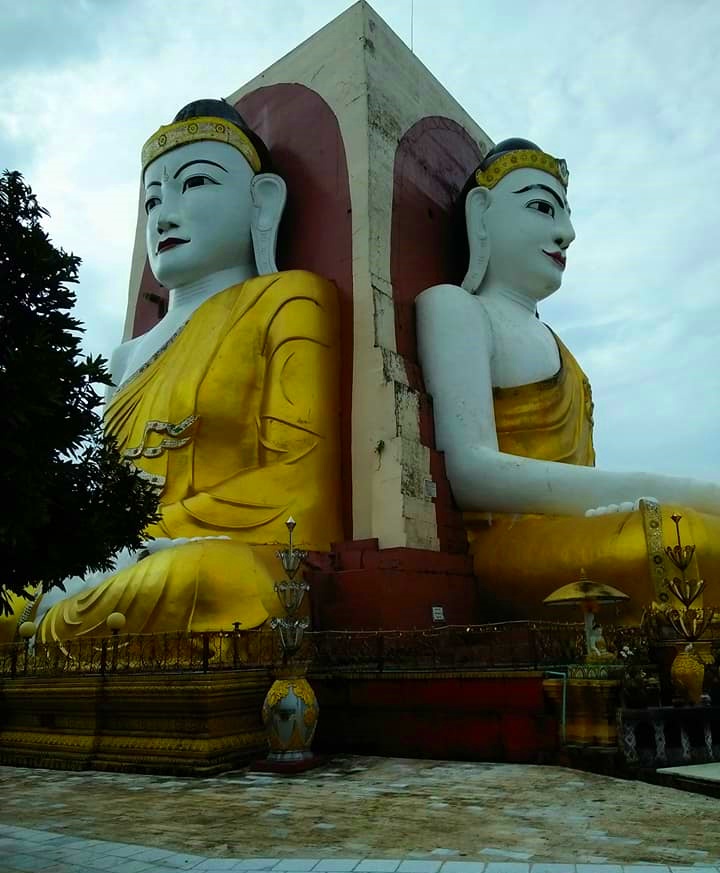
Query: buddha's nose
x,y
166,222
565,232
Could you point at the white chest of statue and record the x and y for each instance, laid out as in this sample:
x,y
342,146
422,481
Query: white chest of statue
x,y
524,350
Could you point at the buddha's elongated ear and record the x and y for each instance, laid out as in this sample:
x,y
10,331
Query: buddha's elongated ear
x,y
269,194
477,203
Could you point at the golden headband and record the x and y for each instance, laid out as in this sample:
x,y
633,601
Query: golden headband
x,y
520,160
170,136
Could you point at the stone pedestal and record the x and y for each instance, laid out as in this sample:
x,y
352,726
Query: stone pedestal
x,y
182,724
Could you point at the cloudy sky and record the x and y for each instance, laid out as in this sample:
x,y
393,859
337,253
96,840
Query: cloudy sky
x,y
627,92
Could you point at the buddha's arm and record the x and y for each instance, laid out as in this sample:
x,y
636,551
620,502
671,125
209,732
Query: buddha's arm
x,y
298,411
117,367
456,347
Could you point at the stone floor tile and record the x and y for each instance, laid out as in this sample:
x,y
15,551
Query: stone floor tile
x,y
598,868
123,850
150,855
219,865
296,865
147,868
419,866
645,868
507,867
128,865
179,861
462,867
255,864
378,865
552,868
78,857
693,869
337,865
36,836
507,855
27,862
61,867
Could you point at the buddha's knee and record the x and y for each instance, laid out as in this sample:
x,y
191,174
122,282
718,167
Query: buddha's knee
x,y
203,585
520,560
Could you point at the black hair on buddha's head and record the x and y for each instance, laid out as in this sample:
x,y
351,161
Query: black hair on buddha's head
x,y
514,144
225,110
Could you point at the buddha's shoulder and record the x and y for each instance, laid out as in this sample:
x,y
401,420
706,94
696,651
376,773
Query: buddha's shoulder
x,y
274,290
450,303
295,283
120,356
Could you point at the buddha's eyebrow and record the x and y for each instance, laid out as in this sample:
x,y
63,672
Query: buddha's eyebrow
x,y
198,161
544,188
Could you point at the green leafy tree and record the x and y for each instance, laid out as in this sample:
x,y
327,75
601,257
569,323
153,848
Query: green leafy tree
x,y
68,503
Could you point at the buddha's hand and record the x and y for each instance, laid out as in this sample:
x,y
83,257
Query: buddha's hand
x,y
160,543
625,506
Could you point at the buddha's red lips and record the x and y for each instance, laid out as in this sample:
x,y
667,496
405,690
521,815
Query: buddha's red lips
x,y
170,243
558,257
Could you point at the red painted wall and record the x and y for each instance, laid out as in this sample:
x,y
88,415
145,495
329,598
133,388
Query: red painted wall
x,y
485,718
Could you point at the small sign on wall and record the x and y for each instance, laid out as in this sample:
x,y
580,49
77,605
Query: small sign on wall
x,y
429,488
438,613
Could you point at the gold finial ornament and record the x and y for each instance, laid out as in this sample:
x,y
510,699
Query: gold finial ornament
x,y
204,128
519,160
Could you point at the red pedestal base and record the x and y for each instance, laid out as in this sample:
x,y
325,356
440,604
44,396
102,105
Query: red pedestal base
x,y
360,587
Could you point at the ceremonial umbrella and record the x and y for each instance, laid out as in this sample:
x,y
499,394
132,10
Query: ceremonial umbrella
x,y
588,595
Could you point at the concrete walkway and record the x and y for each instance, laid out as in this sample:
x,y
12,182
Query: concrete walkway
x,y
359,814
704,772
33,851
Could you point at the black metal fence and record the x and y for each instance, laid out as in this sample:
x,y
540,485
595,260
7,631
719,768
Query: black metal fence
x,y
506,645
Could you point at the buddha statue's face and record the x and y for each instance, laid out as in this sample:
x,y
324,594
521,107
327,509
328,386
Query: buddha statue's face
x,y
529,230
199,207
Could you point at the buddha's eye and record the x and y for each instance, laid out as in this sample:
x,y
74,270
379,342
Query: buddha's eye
x,y
542,206
151,203
197,182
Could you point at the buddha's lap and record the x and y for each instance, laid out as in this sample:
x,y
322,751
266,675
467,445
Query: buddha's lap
x,y
521,559
203,585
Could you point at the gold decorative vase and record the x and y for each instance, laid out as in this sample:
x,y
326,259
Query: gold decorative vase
x,y
290,714
687,674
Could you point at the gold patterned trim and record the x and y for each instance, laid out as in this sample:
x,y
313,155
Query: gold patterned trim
x,y
174,440
152,358
652,524
519,160
171,136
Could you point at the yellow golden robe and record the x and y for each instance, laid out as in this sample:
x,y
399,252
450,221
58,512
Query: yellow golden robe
x,y
236,420
520,559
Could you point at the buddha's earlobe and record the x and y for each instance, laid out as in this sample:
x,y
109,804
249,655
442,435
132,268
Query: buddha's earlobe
x,y
477,203
269,194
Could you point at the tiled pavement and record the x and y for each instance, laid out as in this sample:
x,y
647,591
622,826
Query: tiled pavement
x,y
359,814
23,850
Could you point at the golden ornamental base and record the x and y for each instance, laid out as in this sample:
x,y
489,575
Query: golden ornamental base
x,y
290,714
190,724
687,674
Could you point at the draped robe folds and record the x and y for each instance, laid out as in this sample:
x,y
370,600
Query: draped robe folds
x,y
520,559
236,419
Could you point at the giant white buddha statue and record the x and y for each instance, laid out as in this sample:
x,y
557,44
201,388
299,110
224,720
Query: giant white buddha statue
x,y
514,415
230,404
